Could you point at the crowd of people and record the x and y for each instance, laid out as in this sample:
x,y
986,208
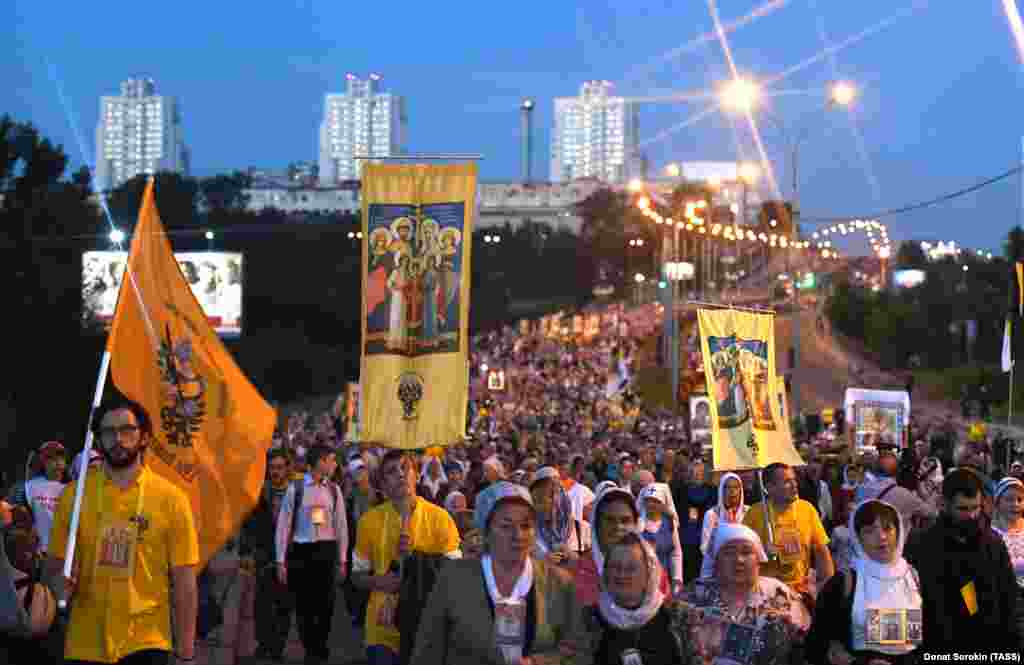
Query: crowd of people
x,y
574,524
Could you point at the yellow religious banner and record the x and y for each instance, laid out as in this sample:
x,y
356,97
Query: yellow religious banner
x,y
748,425
418,222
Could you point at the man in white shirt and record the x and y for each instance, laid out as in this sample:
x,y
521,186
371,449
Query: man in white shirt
x,y
42,492
311,547
579,494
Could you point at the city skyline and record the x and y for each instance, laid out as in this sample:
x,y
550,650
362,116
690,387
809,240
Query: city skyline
x,y
928,120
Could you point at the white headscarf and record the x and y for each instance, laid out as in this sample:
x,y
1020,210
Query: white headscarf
x,y
658,492
630,619
449,500
899,587
606,493
727,533
431,483
721,510
864,564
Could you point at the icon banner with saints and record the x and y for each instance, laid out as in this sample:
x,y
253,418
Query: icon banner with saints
x,y
417,225
748,429
413,280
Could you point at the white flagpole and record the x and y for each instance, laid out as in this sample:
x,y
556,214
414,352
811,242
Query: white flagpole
x,y
76,513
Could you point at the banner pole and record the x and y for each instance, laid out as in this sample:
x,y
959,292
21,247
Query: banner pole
x,y
769,529
76,512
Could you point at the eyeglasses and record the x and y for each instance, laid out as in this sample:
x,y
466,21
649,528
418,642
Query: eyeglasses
x,y
111,432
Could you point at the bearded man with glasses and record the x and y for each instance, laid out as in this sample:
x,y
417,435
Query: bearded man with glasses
x,y
136,554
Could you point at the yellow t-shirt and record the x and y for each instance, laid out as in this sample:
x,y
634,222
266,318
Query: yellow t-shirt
x,y
431,530
797,530
112,617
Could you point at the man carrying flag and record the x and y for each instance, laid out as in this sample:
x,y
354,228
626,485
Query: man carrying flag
x,y
137,554
208,443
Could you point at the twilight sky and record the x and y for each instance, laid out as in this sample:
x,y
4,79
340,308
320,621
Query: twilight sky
x,y
939,108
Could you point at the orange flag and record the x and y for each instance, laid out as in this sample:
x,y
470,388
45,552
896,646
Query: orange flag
x,y
1020,286
211,427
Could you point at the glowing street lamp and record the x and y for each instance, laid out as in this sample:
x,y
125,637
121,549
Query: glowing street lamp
x,y
117,236
673,170
843,93
639,278
739,94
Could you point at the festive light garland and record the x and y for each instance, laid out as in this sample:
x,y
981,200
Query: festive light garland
x,y
731,232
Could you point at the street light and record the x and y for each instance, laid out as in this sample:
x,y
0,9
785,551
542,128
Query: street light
x,y
673,170
117,236
739,94
843,93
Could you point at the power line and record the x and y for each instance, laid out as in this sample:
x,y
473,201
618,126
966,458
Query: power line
x,y
917,206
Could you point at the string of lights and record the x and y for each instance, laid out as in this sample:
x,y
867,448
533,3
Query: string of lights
x,y
693,223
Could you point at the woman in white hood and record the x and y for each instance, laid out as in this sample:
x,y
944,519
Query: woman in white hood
x,y
432,477
659,527
872,612
731,509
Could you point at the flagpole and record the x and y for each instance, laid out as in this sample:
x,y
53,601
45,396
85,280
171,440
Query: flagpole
x,y
76,512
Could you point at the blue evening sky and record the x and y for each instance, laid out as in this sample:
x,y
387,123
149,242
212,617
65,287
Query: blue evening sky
x,y
940,105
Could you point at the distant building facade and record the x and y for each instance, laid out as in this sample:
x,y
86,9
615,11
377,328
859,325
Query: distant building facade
x,y
595,135
296,198
362,121
514,203
139,132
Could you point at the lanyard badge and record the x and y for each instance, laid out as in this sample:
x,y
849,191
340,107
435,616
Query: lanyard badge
x,y
510,629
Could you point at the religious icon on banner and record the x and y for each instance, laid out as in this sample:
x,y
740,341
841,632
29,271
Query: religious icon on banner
x,y
496,379
413,278
740,380
878,423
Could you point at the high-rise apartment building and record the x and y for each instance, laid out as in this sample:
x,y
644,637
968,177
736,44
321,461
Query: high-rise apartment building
x,y
596,135
361,122
138,132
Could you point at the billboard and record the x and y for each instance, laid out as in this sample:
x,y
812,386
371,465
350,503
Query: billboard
x,y
908,279
215,278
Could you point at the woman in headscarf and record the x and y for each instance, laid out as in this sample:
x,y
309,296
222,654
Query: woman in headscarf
x,y
432,480
455,502
1008,522
614,515
504,608
736,614
557,540
731,509
659,527
632,621
929,482
872,612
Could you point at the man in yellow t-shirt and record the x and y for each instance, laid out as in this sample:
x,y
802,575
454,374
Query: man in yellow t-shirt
x,y
800,541
135,557
386,534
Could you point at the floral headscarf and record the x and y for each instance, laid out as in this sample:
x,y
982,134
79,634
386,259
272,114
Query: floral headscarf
x,y
555,529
